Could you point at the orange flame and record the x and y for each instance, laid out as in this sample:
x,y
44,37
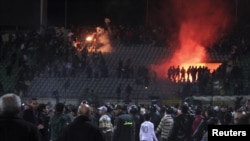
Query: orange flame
x,y
201,24
89,38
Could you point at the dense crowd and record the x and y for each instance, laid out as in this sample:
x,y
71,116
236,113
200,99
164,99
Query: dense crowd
x,y
33,53
114,122
61,53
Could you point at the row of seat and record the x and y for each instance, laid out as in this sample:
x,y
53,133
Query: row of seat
x,y
44,86
80,87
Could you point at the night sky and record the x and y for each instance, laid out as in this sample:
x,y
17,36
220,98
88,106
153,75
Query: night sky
x,y
27,12
94,11
19,12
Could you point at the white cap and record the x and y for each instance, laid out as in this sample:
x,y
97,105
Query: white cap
x,y
103,108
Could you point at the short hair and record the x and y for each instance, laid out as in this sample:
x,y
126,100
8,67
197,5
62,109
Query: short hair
x,y
32,99
10,104
121,107
198,111
184,108
213,121
41,107
59,107
210,111
169,110
84,102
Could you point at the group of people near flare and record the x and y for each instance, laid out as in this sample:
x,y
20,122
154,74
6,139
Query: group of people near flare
x,y
190,74
109,122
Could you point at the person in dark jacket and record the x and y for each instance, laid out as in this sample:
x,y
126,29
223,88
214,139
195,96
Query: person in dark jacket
x,y
31,114
82,129
138,119
124,125
57,122
12,126
155,116
182,127
44,118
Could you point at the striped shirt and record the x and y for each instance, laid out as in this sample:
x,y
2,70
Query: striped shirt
x,y
165,126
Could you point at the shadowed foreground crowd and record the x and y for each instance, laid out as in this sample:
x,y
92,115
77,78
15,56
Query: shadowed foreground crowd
x,y
108,122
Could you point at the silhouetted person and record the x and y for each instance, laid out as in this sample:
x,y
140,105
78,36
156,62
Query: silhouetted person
x,y
118,92
55,94
119,68
128,91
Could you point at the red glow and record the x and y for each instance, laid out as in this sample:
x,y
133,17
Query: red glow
x,y
200,25
210,66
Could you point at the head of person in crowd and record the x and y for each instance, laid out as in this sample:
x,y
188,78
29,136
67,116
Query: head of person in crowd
x,y
43,108
134,109
67,109
223,108
33,103
102,110
198,111
84,109
119,108
241,118
59,108
176,111
152,108
209,112
110,107
10,104
169,110
51,112
213,121
94,108
184,109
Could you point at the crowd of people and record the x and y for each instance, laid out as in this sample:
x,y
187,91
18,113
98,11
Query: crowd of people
x,y
114,122
192,73
33,54
29,54
62,53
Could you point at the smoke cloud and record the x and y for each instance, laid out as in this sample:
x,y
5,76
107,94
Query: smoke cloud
x,y
198,25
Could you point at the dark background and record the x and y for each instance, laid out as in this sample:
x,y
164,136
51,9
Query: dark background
x,y
27,12
94,11
89,12
19,12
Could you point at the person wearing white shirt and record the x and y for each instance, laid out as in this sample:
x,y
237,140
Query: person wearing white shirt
x,y
147,132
